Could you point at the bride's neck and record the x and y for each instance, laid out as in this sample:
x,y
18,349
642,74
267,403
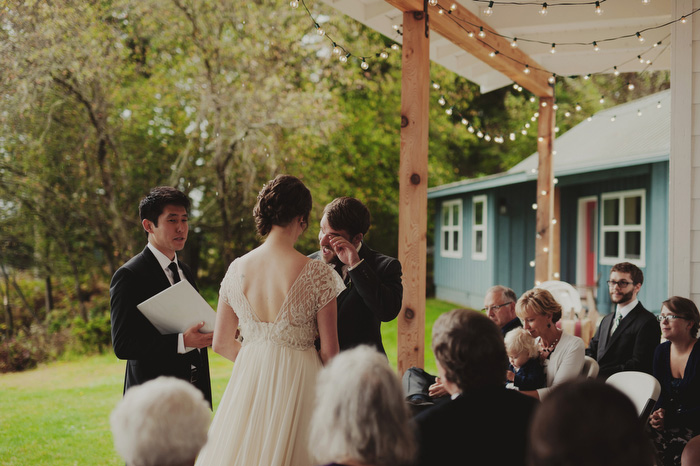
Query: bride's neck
x,y
281,236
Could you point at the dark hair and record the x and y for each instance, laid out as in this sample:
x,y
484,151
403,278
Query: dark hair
x,y
280,201
633,270
539,301
349,214
579,414
685,308
469,347
153,204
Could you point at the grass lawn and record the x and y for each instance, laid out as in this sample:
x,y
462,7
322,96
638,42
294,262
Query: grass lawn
x,y
58,414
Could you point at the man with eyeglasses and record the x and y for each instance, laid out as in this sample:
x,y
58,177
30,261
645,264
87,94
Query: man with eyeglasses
x,y
499,306
625,339
424,389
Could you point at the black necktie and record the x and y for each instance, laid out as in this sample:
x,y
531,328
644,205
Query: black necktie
x,y
176,275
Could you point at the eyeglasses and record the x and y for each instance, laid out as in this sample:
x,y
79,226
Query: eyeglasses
x,y
622,284
496,307
670,317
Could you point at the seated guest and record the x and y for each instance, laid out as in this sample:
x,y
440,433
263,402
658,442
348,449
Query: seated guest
x,y
691,452
676,416
162,422
588,422
361,417
423,389
483,419
561,354
525,371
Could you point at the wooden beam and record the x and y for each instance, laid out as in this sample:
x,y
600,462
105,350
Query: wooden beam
x,y
413,188
510,61
555,236
545,191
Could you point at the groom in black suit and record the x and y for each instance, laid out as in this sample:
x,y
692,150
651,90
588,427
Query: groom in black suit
x,y
373,291
148,353
627,338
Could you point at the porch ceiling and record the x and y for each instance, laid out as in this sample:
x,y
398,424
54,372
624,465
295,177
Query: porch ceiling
x,y
562,24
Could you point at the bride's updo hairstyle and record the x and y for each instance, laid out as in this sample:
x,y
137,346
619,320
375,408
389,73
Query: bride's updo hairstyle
x,y
279,202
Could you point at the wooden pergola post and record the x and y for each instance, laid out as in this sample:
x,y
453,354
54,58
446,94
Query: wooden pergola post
x,y
544,253
413,188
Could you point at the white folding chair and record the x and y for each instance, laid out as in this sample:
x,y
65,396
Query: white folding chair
x,y
643,389
590,367
566,295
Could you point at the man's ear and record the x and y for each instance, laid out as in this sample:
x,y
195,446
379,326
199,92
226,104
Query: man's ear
x,y
147,225
357,239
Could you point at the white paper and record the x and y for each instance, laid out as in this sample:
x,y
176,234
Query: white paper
x,y
178,308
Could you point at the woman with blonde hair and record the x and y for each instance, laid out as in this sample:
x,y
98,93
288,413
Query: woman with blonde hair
x,y
561,354
361,417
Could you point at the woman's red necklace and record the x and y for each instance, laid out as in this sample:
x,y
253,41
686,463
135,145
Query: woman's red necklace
x,y
545,352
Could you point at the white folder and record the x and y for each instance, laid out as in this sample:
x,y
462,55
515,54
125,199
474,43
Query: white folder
x,y
178,308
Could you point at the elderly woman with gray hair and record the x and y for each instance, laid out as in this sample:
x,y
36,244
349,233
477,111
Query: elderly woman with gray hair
x,y
361,417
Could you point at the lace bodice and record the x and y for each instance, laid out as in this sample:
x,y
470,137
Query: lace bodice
x,y
295,325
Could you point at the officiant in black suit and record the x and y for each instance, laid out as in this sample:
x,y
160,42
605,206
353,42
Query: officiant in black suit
x,y
627,338
148,353
373,291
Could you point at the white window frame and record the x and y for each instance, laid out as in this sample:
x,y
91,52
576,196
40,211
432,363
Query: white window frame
x,y
483,228
621,228
448,249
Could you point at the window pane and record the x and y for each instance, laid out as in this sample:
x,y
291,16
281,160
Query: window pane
x,y
612,246
455,214
479,242
633,244
446,241
445,215
455,241
478,213
611,212
633,210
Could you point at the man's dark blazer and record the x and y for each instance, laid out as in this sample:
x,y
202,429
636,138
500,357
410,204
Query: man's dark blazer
x,y
489,422
373,295
148,353
513,324
631,347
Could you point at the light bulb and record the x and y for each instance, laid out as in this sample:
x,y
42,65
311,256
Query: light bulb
x,y
613,118
320,31
534,206
487,137
432,2
616,72
364,64
553,49
639,113
658,105
471,129
598,9
514,42
641,60
543,10
532,99
384,55
394,46
552,79
554,221
436,86
602,99
567,114
555,107
556,129
683,20
527,69
489,10
471,34
482,34
449,111
336,50
578,107
595,46
511,136
492,54
630,86
532,263
545,249
344,58
453,7
441,100
465,122
294,4
639,37
480,134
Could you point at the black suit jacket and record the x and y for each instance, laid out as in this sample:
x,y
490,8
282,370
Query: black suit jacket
x,y
630,348
489,422
148,353
373,295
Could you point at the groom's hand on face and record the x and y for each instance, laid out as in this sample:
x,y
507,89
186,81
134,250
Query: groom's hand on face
x,y
193,338
345,250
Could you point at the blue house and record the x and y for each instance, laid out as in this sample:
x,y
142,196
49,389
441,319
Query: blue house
x,y
612,177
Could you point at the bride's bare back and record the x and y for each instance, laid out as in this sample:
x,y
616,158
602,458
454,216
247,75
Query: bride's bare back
x,y
267,274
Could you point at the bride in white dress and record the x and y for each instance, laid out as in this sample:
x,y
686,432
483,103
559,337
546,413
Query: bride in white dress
x,y
281,301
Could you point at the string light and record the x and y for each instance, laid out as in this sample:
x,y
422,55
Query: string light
x,y
646,2
294,4
598,9
489,10
432,2
595,46
364,64
482,34
543,10
683,20
630,86
320,31
553,49
514,42
639,37
527,69
616,72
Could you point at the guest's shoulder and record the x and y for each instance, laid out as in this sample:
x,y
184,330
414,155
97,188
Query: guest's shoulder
x,y
569,340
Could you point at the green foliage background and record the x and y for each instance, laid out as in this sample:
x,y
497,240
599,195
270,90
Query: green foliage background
x,y
100,101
